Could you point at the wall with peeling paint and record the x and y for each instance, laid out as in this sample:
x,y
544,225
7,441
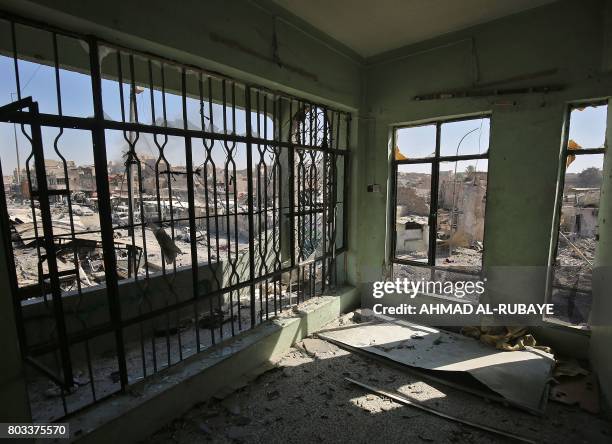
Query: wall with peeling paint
x,y
564,39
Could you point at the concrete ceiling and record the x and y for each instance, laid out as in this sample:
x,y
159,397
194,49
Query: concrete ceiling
x,y
371,27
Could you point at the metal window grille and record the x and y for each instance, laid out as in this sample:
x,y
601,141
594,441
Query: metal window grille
x,y
215,205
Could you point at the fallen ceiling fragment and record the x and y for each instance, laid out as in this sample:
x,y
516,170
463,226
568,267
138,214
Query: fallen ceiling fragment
x,y
520,377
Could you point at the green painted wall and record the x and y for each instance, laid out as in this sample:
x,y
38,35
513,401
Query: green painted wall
x,y
526,129
601,338
566,37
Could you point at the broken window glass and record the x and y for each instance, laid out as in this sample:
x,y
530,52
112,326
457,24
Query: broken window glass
x,y
578,211
588,126
415,142
577,239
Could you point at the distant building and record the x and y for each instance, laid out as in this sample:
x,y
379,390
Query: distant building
x,y
580,211
412,234
463,200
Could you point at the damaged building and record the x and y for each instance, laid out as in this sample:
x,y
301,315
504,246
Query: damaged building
x,y
292,221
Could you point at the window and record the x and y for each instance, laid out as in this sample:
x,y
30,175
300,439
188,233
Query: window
x,y
207,207
575,234
440,173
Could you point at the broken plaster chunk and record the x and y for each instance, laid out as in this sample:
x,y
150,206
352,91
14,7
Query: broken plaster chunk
x,y
317,347
362,315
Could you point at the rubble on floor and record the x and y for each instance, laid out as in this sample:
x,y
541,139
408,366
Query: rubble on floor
x,y
305,398
520,377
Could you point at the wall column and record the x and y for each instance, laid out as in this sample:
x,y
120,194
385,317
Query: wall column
x,y
14,405
601,310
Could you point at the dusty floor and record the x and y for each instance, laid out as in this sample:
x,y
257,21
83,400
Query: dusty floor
x,y
305,399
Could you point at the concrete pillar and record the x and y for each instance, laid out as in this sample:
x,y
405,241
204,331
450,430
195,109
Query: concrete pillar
x,y
14,404
601,311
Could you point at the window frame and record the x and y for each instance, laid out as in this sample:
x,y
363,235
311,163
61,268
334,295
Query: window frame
x,y
562,170
302,276
432,220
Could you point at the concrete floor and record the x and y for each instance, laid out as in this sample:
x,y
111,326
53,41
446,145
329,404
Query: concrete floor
x,y
305,398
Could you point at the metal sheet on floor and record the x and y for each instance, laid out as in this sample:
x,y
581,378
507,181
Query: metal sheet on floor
x,y
519,376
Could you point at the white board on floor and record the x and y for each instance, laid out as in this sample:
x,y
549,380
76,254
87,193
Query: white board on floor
x,y
519,376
